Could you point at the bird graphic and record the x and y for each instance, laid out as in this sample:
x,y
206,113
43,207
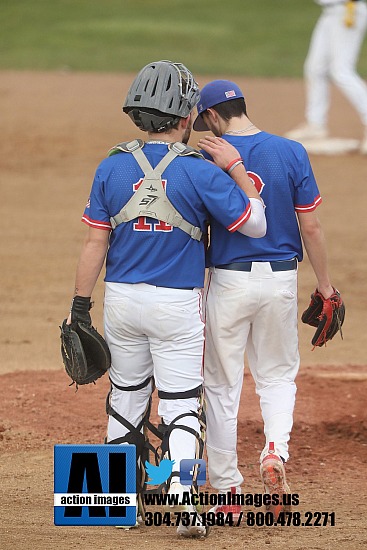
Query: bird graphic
x,y
159,474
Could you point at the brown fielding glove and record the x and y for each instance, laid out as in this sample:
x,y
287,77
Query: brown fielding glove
x,y
327,315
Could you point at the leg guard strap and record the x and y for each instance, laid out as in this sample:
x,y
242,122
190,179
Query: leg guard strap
x,y
136,435
133,388
195,392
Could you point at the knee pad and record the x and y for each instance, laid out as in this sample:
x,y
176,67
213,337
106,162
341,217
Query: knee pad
x,y
136,435
166,429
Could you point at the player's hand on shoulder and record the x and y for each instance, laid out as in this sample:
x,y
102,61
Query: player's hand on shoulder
x,y
222,152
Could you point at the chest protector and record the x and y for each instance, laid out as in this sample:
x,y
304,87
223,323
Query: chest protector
x,y
150,199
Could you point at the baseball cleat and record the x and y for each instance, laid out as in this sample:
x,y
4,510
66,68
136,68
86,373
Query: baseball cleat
x,y
198,530
307,131
138,522
272,473
233,509
195,530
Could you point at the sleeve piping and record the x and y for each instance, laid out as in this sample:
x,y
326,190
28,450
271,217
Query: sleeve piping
x,y
241,220
106,226
308,207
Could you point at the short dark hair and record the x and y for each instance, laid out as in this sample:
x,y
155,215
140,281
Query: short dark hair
x,y
230,109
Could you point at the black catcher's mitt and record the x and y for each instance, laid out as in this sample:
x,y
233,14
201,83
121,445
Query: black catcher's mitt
x,y
85,353
327,315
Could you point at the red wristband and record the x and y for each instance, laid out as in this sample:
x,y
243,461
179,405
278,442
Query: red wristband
x,y
232,163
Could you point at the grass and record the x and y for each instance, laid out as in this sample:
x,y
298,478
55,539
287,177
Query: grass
x,y
239,37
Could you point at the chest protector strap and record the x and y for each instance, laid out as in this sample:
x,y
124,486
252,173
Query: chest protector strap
x,y
150,199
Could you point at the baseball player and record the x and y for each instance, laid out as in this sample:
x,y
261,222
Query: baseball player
x,y
251,293
332,57
147,211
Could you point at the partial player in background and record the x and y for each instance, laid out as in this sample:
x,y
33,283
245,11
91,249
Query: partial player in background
x,y
147,212
332,58
251,293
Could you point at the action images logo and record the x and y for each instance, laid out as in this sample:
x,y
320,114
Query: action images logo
x,y
94,485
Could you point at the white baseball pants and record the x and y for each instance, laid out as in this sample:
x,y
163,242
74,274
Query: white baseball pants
x,y
154,331
256,312
333,55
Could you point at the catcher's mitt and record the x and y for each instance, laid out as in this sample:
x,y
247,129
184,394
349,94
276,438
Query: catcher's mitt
x,y
84,352
326,314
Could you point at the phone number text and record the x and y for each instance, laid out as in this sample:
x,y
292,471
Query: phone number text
x,y
250,519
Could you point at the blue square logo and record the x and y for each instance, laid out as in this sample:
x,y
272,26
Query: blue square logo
x,y
192,471
95,485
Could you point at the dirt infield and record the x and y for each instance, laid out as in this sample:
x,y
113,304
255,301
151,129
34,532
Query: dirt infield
x,y
56,127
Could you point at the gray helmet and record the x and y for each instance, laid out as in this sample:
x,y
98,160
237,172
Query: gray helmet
x,y
161,94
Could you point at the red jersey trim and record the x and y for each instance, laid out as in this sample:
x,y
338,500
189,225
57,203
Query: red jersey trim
x,y
106,226
309,207
241,220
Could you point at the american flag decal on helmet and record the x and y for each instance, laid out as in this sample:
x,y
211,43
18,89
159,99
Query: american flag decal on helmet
x,y
230,93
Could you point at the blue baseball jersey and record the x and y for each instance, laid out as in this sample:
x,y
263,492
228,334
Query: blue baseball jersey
x,y
281,171
146,250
